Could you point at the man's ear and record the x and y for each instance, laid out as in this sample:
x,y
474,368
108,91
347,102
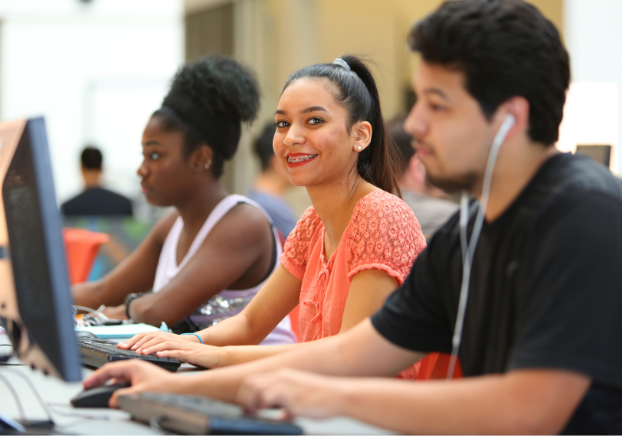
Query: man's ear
x,y
518,107
362,132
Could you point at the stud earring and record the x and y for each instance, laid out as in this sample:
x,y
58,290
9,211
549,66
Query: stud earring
x,y
359,147
208,164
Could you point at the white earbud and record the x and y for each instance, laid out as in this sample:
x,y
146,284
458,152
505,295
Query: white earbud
x,y
468,247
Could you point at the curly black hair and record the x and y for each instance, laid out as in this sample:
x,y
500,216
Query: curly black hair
x,y
208,101
505,48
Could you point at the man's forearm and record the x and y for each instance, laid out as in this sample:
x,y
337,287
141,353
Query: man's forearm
x,y
525,402
223,383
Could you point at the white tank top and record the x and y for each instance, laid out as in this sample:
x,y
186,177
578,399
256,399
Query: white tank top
x,y
226,303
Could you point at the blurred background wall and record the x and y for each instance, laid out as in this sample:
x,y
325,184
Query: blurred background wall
x,y
96,69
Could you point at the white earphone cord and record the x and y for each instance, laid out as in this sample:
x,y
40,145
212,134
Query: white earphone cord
x,y
468,248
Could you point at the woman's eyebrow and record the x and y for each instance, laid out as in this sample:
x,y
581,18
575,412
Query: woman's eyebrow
x,y
313,109
153,143
304,111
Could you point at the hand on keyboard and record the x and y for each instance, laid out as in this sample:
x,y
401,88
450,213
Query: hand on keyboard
x,y
142,341
206,356
299,393
143,377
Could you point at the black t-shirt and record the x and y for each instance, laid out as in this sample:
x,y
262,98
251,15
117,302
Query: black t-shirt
x,y
544,292
97,201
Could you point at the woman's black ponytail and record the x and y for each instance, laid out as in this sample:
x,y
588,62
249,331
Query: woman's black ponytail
x,y
378,164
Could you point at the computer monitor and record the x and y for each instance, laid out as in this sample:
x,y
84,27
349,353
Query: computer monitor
x,y
35,301
600,153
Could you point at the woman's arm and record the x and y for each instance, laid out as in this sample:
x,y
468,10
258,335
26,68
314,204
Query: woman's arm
x,y
134,274
368,290
235,255
273,302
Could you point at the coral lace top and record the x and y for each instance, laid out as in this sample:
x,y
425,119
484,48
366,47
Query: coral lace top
x,y
383,234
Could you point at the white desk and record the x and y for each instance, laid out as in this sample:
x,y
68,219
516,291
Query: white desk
x,y
56,394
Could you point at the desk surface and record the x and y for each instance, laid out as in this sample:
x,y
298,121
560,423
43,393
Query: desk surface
x,y
57,393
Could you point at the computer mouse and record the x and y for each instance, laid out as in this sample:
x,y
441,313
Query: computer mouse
x,y
85,334
97,397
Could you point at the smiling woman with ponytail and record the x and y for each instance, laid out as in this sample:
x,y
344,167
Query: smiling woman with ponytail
x,y
350,250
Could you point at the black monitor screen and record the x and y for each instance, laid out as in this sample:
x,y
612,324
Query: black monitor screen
x,y
43,333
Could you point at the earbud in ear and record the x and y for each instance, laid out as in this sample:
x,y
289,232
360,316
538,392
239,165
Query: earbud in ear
x,y
509,119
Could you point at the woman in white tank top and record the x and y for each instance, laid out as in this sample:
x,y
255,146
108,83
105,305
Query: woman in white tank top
x,y
207,259
226,303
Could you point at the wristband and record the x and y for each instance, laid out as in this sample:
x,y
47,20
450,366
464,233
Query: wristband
x,y
200,340
127,302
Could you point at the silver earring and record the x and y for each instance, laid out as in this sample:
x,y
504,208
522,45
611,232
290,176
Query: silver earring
x,y
208,164
359,147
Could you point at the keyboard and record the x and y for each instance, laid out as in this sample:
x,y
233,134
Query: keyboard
x,y
97,352
187,414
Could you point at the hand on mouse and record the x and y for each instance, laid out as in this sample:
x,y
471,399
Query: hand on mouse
x,y
143,377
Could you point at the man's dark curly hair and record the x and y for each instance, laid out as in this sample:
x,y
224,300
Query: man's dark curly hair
x,y
504,48
208,101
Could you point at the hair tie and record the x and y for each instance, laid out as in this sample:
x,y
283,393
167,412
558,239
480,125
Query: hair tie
x,y
343,64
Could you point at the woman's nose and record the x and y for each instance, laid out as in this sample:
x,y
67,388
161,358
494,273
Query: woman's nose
x,y
293,137
142,170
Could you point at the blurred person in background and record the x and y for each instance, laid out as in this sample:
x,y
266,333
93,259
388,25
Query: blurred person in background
x,y
272,183
206,260
428,203
349,250
95,200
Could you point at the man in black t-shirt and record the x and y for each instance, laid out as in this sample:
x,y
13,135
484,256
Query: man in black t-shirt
x,y
542,341
95,200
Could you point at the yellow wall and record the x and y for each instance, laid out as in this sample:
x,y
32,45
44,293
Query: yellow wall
x,y
378,29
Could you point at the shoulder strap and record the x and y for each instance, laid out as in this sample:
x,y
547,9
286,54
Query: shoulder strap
x,y
215,216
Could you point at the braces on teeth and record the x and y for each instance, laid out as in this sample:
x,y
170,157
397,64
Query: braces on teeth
x,y
301,158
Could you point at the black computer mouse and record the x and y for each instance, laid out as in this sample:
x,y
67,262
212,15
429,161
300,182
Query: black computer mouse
x,y
97,397
85,334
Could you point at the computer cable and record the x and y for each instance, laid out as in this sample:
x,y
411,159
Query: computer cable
x,y
47,407
36,394
468,247
88,309
20,409
54,408
95,317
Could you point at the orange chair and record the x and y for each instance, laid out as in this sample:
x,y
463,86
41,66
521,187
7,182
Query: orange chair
x,y
435,367
81,247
